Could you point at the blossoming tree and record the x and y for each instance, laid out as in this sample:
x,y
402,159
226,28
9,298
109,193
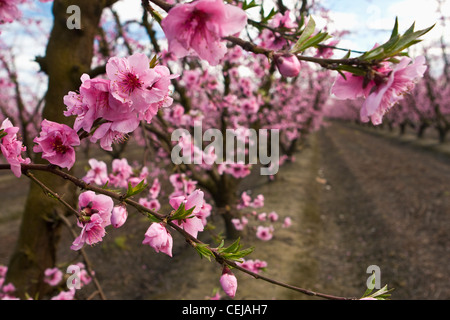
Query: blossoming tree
x,y
222,68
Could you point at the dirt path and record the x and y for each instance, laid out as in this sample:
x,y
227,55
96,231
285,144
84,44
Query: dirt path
x,y
386,204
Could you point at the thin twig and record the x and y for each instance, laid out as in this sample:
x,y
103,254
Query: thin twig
x,y
86,260
69,226
48,191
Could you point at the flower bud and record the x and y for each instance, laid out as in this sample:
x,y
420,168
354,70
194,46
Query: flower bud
x,y
288,65
228,282
118,216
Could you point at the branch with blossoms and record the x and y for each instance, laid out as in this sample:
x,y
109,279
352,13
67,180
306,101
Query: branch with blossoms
x,y
382,75
95,205
55,195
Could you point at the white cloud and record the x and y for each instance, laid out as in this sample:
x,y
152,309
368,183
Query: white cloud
x,y
128,9
343,21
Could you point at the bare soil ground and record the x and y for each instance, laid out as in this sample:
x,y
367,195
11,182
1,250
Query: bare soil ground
x,y
356,198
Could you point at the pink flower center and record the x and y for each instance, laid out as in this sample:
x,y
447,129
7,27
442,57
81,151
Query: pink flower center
x,y
87,212
58,146
130,82
197,20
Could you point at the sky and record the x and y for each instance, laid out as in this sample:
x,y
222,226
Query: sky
x,y
371,21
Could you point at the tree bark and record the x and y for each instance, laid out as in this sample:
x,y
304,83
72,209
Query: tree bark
x,y
421,131
68,54
226,200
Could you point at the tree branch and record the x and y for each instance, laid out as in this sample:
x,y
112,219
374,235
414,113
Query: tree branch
x,y
193,241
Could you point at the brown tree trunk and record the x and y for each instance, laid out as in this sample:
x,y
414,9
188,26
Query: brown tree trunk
x,y
226,200
69,53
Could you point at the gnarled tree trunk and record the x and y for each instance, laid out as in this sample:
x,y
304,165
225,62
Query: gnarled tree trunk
x,y
69,53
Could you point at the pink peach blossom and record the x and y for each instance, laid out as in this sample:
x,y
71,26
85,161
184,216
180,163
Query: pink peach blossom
x,y
197,28
400,80
253,265
92,232
262,216
9,10
56,142
119,215
160,89
245,200
159,238
152,204
238,224
155,189
258,202
287,222
264,233
12,148
98,173
274,40
95,213
273,216
132,80
85,278
90,104
116,131
350,87
65,295
121,171
204,212
53,276
192,224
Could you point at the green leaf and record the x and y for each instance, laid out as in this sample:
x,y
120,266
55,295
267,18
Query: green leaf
x,y
154,62
351,69
381,294
395,29
271,14
307,32
221,244
204,251
369,290
239,255
250,5
315,40
347,55
51,195
152,218
396,43
131,191
410,29
156,15
234,247
233,251
105,187
182,213
2,133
